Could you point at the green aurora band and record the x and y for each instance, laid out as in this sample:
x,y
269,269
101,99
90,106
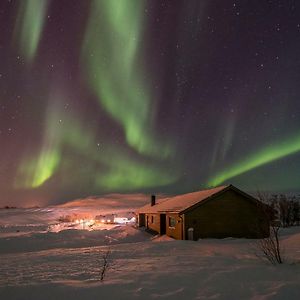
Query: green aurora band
x,y
110,55
111,59
33,172
111,168
35,169
265,156
29,26
129,173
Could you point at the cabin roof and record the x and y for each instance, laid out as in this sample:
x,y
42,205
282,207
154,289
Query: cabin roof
x,y
183,202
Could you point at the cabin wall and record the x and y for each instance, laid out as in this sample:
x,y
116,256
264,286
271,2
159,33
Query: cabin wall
x,y
228,215
153,222
174,230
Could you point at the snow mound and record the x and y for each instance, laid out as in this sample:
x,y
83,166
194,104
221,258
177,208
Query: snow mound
x,y
162,238
71,238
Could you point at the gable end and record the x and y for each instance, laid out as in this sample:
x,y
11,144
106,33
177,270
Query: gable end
x,y
230,187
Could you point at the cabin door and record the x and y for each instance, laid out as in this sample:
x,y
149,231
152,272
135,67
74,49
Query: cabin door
x,y
162,224
141,220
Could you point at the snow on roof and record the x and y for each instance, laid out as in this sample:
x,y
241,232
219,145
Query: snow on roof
x,y
181,202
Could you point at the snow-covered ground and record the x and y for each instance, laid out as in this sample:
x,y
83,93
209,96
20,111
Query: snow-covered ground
x,y
37,263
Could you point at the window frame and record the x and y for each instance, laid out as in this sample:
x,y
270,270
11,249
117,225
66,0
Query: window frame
x,y
172,222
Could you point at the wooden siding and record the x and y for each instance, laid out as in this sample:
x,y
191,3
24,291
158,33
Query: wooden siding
x,y
174,231
228,215
155,225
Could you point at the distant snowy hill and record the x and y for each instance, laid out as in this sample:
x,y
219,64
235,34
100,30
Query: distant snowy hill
x,y
111,201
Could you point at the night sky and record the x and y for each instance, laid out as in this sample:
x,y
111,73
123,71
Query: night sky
x,y
151,96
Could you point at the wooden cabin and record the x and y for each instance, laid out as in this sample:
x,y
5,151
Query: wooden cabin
x,y
220,212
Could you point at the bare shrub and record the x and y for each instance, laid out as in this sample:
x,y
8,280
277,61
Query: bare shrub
x,y
105,263
270,246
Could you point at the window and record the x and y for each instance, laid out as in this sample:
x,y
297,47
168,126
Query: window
x,y
152,219
172,222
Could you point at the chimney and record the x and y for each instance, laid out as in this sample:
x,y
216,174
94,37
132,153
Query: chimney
x,y
152,200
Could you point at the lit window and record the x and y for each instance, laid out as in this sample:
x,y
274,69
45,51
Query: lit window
x,y
172,222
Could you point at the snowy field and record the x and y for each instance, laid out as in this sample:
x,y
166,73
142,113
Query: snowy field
x,y
42,258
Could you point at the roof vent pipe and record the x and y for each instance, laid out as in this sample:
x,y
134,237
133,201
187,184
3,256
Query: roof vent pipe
x,y
152,200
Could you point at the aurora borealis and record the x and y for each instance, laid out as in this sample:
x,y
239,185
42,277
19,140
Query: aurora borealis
x,y
149,96
29,26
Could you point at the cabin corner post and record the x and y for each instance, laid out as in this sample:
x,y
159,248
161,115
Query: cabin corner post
x,y
182,227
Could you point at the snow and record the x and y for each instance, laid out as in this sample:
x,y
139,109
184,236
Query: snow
x,y
182,202
37,263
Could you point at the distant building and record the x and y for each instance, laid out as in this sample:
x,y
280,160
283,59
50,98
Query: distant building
x,y
110,218
126,218
221,212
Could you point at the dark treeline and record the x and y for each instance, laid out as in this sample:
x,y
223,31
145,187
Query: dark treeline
x,y
285,208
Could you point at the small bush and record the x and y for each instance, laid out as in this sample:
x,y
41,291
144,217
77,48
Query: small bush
x,y
105,263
